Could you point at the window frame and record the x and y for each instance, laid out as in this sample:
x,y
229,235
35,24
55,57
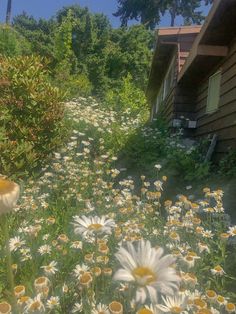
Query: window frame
x,y
212,108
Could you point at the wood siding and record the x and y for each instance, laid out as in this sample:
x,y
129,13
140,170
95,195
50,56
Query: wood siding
x,y
223,121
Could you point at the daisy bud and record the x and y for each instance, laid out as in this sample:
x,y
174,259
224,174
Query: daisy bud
x,y
116,307
9,194
5,308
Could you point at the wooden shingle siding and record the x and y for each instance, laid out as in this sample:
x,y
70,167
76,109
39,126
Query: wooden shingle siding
x,y
223,121
167,107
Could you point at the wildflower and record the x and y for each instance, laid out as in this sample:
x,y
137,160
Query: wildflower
x,y
15,243
35,305
78,307
148,310
51,268
44,249
218,271
76,245
93,225
5,308
100,309
9,194
40,283
86,279
232,231
158,167
80,270
211,295
175,304
19,291
158,184
53,302
116,307
230,308
148,269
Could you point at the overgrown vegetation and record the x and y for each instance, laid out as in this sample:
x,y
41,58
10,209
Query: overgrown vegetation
x,y
31,114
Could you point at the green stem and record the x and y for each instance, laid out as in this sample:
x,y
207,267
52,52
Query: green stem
x,y
10,276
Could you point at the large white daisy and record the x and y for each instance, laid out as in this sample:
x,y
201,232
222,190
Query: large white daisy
x,y
89,226
147,269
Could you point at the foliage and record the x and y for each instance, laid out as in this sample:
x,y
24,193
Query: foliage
x,y
227,165
73,85
127,98
31,114
39,33
71,222
149,12
12,43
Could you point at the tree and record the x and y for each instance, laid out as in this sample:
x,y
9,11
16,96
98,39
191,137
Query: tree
x,y
8,15
149,11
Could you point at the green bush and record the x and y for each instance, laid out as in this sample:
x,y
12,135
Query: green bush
x,y
73,85
227,165
12,43
128,98
31,114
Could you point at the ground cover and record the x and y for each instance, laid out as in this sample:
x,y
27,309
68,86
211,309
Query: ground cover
x,y
85,238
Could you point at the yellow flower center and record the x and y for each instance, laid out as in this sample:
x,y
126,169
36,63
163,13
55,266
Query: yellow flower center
x,y
230,307
6,186
19,289
145,311
218,268
116,307
145,274
5,307
211,293
200,303
176,309
95,227
35,305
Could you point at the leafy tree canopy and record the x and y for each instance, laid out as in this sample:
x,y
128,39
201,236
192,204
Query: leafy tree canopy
x,y
150,11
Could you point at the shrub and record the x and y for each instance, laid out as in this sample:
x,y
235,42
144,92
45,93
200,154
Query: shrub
x,y
12,43
31,114
73,85
128,98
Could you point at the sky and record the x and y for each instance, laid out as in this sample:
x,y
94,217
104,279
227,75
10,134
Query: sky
x,y
48,8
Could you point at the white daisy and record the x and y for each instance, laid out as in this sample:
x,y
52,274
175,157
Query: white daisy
x,y
53,302
100,309
15,243
87,226
51,268
44,249
146,267
174,304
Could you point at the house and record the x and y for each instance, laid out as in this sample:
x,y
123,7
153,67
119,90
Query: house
x,y
192,81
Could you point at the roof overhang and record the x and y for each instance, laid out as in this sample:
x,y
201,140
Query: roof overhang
x,y
211,44
166,46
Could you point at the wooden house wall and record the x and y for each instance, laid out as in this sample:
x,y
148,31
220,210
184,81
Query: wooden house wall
x,y
223,121
167,107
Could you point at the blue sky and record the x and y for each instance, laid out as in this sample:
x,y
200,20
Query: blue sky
x,y
47,8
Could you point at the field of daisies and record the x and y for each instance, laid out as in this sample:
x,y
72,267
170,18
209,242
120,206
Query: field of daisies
x,y
89,239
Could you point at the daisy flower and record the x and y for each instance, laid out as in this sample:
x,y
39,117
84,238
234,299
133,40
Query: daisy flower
x,y
100,309
87,226
173,304
50,269
148,269
53,302
15,243
44,249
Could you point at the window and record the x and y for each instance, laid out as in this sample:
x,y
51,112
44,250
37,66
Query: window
x,y
213,97
169,79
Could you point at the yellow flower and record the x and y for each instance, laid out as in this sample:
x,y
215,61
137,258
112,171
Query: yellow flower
x,y
5,308
9,194
116,307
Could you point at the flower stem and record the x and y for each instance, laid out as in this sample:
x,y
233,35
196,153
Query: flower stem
x,y
10,276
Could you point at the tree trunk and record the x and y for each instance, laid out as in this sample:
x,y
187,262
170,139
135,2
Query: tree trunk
x,y
8,15
172,23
